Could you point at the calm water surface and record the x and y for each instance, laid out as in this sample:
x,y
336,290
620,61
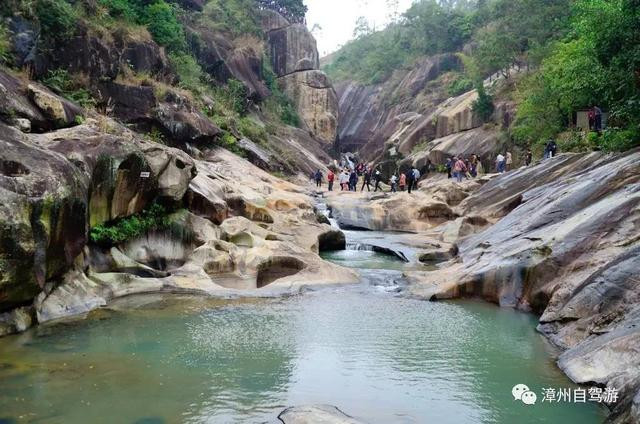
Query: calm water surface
x,y
380,357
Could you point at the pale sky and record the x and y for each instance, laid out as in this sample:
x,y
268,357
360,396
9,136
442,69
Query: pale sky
x,y
337,19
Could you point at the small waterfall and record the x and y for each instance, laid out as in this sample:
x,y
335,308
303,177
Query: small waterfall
x,y
352,245
324,210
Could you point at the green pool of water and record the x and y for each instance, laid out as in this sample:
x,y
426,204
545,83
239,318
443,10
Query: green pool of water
x,y
381,357
363,259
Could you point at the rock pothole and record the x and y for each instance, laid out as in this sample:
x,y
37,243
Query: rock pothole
x,y
276,268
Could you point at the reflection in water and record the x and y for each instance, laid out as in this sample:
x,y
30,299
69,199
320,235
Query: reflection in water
x,y
379,356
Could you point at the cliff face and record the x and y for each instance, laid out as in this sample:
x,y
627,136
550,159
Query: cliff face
x,y
413,113
295,61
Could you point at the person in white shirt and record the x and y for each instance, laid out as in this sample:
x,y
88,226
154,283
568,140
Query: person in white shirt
x,y
393,181
500,164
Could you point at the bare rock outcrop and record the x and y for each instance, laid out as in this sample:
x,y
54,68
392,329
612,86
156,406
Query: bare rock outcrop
x,y
372,115
295,60
293,49
564,243
245,233
55,185
316,101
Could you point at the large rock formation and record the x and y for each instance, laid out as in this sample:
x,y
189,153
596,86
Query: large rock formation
x,y
293,49
266,244
294,58
564,243
371,114
313,94
56,184
411,117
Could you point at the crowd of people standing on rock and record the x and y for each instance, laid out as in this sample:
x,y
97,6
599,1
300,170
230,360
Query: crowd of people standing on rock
x,y
370,177
458,167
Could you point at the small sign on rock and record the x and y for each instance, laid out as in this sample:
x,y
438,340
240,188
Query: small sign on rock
x,y
146,174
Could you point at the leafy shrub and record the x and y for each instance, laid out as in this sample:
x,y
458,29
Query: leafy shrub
x,y
188,70
279,103
61,82
237,95
234,16
293,10
619,140
253,131
109,234
57,18
160,18
122,9
229,142
5,45
575,141
483,106
459,85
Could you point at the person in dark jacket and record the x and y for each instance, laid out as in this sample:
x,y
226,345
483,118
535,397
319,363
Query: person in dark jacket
x,y
597,112
318,178
377,176
366,180
411,180
353,181
529,158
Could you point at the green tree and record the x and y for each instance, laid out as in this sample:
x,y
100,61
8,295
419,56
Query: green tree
x,y
597,64
293,10
483,106
57,18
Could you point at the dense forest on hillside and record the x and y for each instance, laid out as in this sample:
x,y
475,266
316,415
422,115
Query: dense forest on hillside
x,y
566,55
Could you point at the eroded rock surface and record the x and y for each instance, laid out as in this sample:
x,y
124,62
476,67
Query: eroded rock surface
x,y
266,244
316,101
564,243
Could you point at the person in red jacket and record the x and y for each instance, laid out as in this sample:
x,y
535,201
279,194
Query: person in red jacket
x,y
330,177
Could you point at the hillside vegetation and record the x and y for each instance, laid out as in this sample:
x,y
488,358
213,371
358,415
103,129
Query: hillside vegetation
x,y
565,55
222,98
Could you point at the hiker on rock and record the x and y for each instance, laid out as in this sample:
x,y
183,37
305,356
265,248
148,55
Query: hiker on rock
x,y
500,163
448,164
529,158
411,180
393,181
459,169
366,179
473,166
550,149
353,180
344,180
403,181
597,112
377,177
416,177
330,177
318,177
509,161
